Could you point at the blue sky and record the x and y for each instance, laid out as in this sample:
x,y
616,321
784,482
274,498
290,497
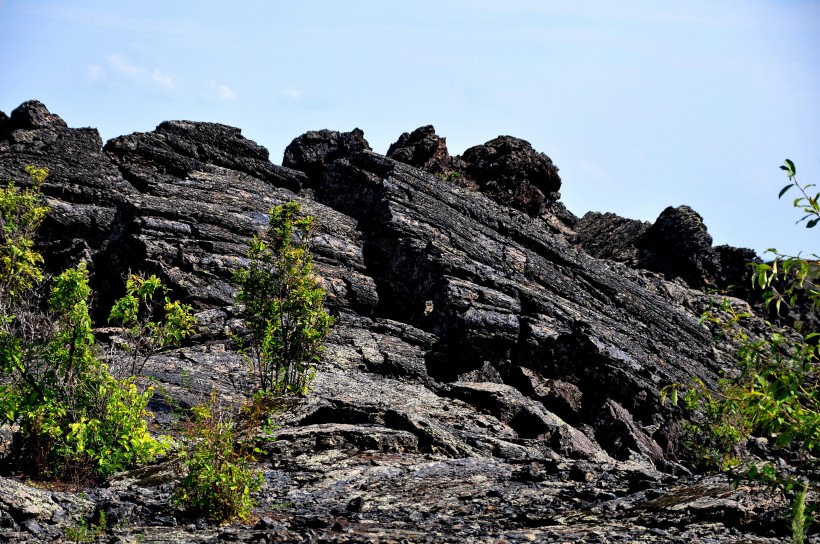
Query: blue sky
x,y
641,104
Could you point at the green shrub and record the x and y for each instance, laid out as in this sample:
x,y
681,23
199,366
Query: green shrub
x,y
21,213
217,466
75,419
86,531
144,300
282,304
776,389
451,176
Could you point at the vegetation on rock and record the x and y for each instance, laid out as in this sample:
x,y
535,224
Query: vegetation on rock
x,y
775,393
283,307
217,464
144,299
21,213
76,419
283,304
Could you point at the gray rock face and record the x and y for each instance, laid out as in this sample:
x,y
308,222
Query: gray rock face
x,y
487,378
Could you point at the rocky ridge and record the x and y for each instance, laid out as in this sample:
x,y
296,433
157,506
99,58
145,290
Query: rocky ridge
x,y
495,371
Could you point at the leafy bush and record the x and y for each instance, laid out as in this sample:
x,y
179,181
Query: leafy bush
x,y
144,299
21,213
86,531
282,304
75,419
776,391
218,476
451,176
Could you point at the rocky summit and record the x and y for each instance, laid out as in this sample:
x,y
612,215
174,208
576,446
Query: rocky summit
x,y
494,371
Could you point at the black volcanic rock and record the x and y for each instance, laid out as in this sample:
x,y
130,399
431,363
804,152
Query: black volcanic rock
x,y
84,190
313,151
5,123
735,273
676,245
512,172
34,114
496,288
423,149
486,379
506,169
609,236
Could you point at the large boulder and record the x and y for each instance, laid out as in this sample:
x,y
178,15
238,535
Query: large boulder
x,y
34,114
313,151
511,172
423,149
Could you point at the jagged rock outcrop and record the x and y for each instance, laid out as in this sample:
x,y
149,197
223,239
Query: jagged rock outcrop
x,y
677,245
83,189
512,172
423,149
313,151
611,237
506,169
487,379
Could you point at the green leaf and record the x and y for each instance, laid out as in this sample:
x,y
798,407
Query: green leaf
x,y
786,188
790,169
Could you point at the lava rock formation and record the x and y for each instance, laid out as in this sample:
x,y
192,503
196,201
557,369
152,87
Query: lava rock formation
x,y
495,369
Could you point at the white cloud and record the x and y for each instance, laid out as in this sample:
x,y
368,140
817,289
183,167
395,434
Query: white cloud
x,y
162,80
226,93
122,66
291,92
595,174
94,72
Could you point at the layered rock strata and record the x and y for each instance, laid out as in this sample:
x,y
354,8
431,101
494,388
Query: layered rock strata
x,y
488,378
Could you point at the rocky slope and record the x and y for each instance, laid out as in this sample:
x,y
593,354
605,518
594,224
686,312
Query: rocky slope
x,y
495,369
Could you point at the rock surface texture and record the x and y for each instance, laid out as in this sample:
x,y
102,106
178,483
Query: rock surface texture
x,y
489,379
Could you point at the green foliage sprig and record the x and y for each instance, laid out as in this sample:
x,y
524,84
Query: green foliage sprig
x,y
21,213
807,203
217,464
135,312
282,304
776,392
